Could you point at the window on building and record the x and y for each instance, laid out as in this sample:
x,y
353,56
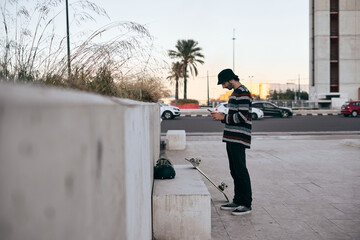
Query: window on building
x,y
334,45
334,5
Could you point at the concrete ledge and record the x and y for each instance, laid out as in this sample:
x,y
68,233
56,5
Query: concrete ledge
x,y
175,140
182,206
71,166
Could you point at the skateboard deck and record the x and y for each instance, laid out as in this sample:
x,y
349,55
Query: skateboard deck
x,y
196,162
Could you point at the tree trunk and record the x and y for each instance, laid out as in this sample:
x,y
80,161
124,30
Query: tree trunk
x,y
185,80
177,88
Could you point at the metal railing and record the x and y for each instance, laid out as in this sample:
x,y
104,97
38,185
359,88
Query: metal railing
x,y
296,104
293,104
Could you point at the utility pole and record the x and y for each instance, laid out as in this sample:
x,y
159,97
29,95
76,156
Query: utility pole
x,y
208,100
250,82
68,40
233,49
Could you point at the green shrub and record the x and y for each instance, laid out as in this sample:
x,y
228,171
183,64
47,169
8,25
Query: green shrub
x,y
184,101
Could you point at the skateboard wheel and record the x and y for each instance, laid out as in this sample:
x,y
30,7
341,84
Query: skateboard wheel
x,y
224,185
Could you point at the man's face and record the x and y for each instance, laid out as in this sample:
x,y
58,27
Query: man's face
x,y
227,85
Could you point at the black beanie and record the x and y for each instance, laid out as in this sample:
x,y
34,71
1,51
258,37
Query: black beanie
x,y
226,75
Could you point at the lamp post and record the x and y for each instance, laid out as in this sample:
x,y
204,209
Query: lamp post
x,y
299,87
68,40
233,49
250,81
208,100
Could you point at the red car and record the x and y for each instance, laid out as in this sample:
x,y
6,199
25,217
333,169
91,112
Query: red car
x,y
351,108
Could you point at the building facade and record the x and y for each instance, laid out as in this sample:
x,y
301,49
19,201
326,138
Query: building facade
x,y
334,52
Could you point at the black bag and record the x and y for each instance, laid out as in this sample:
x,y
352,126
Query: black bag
x,y
164,169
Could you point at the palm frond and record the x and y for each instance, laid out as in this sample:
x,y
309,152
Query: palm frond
x,y
188,52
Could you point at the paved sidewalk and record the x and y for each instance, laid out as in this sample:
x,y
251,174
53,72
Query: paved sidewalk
x,y
304,187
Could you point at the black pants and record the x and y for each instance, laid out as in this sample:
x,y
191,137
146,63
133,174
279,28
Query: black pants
x,y
240,174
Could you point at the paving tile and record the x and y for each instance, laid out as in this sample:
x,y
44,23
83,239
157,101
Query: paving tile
x,y
295,226
351,210
335,236
270,232
350,226
326,228
354,236
280,211
308,212
218,228
303,236
261,216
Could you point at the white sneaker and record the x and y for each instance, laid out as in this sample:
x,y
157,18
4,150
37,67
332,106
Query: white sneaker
x,y
229,206
241,210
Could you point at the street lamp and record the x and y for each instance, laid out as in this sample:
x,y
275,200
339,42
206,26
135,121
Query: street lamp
x,y
208,99
250,81
233,49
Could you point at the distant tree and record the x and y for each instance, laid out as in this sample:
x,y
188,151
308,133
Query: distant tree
x,y
304,95
177,71
287,95
189,54
255,96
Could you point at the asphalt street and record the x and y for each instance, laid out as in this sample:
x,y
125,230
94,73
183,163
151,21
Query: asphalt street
x,y
268,124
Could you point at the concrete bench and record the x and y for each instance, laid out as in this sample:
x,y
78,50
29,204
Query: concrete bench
x,y
175,140
182,206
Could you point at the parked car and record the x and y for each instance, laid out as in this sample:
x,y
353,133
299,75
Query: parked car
x,y
271,109
168,112
351,108
223,107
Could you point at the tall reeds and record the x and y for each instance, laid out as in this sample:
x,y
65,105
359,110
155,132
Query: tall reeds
x,y
32,50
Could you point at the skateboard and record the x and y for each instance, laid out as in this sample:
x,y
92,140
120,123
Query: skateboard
x,y
196,162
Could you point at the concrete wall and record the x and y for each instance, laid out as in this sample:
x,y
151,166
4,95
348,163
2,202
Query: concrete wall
x,y
321,56
349,49
75,165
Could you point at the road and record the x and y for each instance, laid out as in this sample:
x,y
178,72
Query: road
x,y
268,124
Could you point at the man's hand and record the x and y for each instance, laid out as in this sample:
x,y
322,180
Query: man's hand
x,y
217,115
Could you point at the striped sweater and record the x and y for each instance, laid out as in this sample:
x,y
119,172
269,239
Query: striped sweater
x,y
238,120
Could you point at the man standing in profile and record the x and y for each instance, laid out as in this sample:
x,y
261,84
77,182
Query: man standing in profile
x,y
237,136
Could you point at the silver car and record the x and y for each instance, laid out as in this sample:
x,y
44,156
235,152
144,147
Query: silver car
x,y
223,107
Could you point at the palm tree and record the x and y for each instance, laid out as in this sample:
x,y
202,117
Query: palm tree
x,y
176,73
189,54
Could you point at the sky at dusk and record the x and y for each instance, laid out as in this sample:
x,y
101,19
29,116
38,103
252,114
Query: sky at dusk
x,y
272,37
271,45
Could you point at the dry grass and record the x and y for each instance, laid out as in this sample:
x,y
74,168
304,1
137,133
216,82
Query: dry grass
x,y
31,51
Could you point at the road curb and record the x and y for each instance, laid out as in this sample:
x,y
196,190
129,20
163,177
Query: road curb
x,y
352,133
